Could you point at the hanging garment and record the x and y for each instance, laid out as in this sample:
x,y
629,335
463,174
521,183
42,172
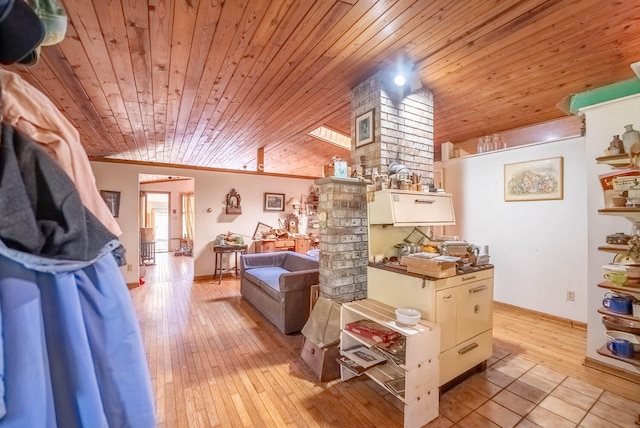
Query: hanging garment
x,y
33,113
41,212
72,353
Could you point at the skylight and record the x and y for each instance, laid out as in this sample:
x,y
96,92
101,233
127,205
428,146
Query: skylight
x,y
330,136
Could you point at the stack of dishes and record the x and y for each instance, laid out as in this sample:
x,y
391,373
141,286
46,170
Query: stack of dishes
x,y
630,273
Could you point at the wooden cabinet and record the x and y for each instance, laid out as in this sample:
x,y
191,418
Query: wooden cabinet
x,y
299,245
418,372
407,208
461,305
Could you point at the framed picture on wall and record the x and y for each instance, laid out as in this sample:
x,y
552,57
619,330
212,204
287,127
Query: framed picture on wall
x,y
274,201
364,128
534,180
112,199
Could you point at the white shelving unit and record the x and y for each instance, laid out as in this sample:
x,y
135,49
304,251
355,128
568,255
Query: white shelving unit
x,y
633,215
602,121
420,369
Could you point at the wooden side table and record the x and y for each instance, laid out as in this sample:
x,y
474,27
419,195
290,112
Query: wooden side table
x,y
218,251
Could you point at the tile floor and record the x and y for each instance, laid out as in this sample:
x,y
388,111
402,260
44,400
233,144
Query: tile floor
x,y
516,392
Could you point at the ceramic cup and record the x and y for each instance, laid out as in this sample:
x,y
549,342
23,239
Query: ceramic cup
x,y
618,304
621,347
618,278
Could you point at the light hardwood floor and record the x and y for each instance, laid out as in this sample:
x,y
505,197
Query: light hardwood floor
x,y
215,361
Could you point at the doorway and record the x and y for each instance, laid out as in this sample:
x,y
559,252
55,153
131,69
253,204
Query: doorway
x,y
164,216
156,217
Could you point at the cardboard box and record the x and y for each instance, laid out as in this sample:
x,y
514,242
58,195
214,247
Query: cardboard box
x,y
146,234
322,361
429,267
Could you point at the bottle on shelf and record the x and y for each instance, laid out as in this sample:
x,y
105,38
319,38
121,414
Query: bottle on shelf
x,y
488,145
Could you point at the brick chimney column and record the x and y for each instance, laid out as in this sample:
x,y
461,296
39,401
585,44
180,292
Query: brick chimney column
x,y
344,237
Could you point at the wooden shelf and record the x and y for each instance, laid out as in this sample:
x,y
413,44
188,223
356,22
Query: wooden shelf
x,y
635,360
615,248
629,317
608,285
615,160
632,214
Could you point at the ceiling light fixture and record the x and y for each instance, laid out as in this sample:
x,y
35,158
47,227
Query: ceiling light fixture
x,y
399,80
406,77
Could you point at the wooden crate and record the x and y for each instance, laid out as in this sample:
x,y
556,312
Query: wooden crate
x,y
322,361
429,267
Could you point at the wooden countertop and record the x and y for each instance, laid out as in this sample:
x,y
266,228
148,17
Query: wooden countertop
x,y
403,270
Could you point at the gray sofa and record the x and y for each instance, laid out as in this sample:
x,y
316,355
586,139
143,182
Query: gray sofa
x,y
279,286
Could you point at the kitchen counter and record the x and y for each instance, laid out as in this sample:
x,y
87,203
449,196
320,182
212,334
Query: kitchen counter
x,y
403,269
462,305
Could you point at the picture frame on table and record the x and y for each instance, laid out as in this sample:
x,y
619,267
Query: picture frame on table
x,y
535,180
261,230
112,199
364,128
274,201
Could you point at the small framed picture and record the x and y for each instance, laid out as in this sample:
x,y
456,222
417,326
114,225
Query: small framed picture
x,y
274,201
112,199
364,128
261,230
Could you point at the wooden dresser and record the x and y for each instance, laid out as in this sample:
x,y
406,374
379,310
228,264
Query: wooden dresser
x,y
299,245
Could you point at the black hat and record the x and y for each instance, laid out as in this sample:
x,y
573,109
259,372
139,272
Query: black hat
x,y
20,31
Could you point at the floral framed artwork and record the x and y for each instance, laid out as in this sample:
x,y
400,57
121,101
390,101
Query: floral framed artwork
x,y
274,201
535,180
364,128
112,199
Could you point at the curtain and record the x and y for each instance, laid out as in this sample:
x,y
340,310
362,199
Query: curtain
x,y
189,202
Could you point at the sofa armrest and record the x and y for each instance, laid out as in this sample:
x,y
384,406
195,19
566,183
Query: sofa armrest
x,y
250,261
298,280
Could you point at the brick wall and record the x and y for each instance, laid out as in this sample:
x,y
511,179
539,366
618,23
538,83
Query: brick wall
x,y
403,127
344,239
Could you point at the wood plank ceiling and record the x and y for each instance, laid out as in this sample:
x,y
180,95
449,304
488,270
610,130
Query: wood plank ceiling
x,y
207,83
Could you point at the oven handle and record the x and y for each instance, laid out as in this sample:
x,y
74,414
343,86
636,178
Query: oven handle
x,y
468,348
478,289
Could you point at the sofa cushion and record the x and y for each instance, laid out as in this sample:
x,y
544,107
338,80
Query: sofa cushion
x,y
295,262
268,278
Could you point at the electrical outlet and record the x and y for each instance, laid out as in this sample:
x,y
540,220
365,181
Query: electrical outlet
x,y
130,268
571,296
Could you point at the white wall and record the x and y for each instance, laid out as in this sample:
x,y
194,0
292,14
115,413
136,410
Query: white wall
x,y
210,191
539,248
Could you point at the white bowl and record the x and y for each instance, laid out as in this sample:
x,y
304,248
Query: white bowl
x,y
614,334
408,316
